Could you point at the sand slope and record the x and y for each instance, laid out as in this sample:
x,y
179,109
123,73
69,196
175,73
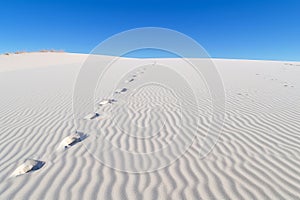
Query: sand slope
x,y
257,156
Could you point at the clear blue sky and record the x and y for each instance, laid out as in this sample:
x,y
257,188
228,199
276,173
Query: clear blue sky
x,y
252,29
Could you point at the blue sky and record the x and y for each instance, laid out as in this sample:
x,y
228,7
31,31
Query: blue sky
x,y
253,29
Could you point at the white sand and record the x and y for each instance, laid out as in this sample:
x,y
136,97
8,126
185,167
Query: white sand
x,y
257,156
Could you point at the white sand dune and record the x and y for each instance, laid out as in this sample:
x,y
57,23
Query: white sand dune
x,y
257,155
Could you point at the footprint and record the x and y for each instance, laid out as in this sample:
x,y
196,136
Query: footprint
x,y
106,101
91,116
130,80
119,91
28,166
71,140
103,102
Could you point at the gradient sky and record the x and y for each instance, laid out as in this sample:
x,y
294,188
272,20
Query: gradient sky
x,y
253,29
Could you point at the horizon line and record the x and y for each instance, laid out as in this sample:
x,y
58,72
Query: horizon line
x,y
146,57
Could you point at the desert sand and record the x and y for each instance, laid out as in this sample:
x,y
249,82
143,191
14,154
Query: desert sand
x,y
257,155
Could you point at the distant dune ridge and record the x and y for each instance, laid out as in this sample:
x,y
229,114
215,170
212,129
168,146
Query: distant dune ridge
x,y
257,155
43,51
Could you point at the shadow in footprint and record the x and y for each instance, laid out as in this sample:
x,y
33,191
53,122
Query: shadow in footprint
x,y
38,166
129,80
